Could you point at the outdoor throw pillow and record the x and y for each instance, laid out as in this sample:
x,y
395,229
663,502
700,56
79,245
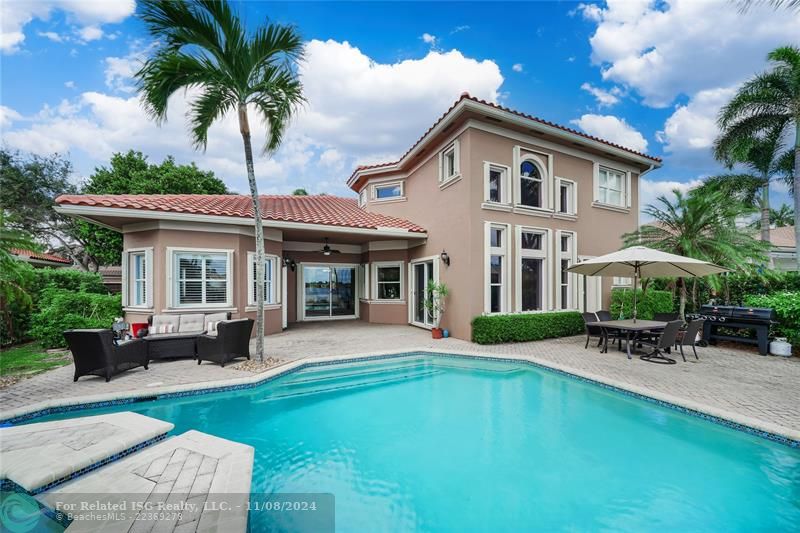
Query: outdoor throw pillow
x,y
165,328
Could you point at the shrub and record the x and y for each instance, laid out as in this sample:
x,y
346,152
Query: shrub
x,y
787,307
654,301
494,329
62,309
16,323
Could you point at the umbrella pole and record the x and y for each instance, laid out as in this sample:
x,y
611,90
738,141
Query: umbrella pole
x,y
635,283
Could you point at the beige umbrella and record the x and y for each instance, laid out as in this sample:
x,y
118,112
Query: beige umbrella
x,y
643,262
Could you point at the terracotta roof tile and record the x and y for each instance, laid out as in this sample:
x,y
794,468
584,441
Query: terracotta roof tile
x,y
41,256
466,96
316,209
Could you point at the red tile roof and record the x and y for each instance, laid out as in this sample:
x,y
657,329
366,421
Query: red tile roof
x,y
41,256
466,96
316,209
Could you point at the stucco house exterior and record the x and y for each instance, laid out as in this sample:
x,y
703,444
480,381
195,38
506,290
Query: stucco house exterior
x,y
492,202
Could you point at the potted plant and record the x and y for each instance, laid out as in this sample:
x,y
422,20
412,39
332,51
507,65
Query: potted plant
x,y
434,304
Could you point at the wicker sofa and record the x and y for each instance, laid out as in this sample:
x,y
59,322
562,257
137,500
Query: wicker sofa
x,y
175,335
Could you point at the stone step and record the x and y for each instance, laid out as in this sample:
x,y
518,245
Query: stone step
x,y
43,455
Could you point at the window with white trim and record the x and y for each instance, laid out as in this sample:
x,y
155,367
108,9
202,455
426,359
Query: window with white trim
x,y
497,265
497,183
202,279
270,279
565,277
362,197
567,197
611,186
138,279
618,281
531,184
387,191
449,166
388,281
533,269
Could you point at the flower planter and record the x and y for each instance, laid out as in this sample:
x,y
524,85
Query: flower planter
x,y
436,333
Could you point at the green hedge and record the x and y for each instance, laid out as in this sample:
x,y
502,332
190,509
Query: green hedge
x,y
16,323
495,329
654,301
787,306
63,309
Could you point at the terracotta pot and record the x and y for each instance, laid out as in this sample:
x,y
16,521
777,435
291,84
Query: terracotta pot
x,y
436,333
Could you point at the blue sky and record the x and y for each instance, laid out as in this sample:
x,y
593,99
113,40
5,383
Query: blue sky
x,y
649,75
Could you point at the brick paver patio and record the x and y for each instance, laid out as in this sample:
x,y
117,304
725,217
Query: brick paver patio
x,y
730,379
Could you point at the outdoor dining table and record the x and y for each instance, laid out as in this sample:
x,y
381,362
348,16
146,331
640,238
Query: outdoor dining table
x,y
633,330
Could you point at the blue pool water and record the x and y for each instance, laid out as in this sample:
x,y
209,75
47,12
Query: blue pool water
x,y
453,444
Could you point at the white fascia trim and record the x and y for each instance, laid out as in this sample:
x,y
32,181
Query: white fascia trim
x,y
296,246
374,246
269,233
557,132
87,211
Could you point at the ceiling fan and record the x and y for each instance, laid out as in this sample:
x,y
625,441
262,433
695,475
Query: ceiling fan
x,y
327,250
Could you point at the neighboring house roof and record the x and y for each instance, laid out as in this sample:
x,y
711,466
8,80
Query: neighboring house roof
x,y
30,255
467,97
783,237
317,209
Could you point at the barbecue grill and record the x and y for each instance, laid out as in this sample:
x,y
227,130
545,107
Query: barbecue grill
x,y
757,319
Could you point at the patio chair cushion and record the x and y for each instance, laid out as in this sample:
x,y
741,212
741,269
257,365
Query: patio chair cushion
x,y
165,324
191,323
213,320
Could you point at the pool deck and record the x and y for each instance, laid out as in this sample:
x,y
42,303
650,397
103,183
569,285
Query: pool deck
x,y
731,382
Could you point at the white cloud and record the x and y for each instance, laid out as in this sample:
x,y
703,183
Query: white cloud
x,y
8,116
53,36
69,84
90,33
428,39
663,49
689,132
650,190
612,129
459,29
604,98
16,14
517,67
358,110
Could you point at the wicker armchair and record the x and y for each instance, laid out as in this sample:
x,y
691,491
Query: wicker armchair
x,y
231,341
95,353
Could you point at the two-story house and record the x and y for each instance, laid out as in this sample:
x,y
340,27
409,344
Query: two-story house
x,y
494,203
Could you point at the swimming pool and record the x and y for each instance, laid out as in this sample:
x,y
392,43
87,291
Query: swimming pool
x,y
424,443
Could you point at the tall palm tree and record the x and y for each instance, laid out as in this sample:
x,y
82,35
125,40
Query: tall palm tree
x,y
761,154
781,217
769,101
203,45
700,224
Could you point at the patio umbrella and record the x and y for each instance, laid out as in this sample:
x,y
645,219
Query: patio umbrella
x,y
641,261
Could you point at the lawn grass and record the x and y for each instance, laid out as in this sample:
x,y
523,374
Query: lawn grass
x,y
29,359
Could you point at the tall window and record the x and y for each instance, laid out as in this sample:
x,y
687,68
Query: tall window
x,y
566,197
138,270
388,279
611,187
531,184
497,266
565,261
533,252
448,162
270,266
496,184
201,278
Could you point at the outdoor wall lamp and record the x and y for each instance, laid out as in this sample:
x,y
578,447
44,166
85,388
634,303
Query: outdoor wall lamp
x,y
289,262
445,258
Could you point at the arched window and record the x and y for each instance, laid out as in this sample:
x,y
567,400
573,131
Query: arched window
x,y
530,180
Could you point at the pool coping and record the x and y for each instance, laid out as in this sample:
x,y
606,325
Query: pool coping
x,y
753,426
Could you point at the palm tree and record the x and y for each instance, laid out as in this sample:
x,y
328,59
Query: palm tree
x,y
700,224
781,217
761,155
203,45
768,102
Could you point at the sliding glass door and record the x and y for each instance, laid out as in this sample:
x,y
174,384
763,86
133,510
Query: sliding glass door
x,y
329,291
421,273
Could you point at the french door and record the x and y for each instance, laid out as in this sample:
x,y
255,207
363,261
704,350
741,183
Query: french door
x,y
422,272
329,292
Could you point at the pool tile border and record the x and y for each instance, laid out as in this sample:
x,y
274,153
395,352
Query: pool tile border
x,y
275,373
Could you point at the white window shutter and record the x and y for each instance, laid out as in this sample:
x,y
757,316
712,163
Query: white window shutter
x,y
596,182
456,157
126,288
148,258
441,165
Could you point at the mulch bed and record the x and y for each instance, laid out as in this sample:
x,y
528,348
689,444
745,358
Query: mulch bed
x,y
256,367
